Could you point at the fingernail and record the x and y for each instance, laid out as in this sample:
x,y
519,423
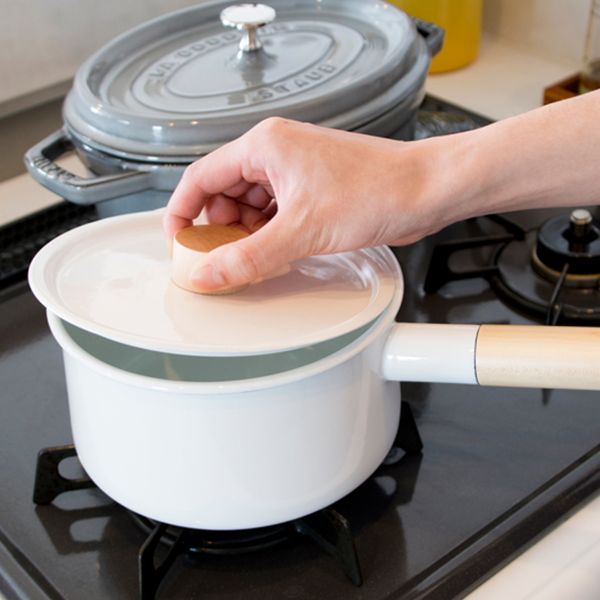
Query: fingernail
x,y
207,278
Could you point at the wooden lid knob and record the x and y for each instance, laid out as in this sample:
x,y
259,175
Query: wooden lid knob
x,y
191,243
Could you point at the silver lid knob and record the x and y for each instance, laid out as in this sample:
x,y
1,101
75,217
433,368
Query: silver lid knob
x,y
580,222
248,18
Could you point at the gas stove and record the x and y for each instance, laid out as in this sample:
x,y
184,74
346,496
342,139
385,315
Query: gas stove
x,y
498,468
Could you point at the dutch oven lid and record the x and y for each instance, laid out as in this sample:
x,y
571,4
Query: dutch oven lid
x,y
181,85
113,278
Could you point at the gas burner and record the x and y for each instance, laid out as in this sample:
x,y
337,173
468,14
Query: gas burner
x,y
218,542
570,245
554,271
551,272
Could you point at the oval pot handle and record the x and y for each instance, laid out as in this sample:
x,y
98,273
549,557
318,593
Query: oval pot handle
x,y
39,161
498,355
432,34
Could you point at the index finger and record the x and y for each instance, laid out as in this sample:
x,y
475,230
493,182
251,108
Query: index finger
x,y
184,206
213,174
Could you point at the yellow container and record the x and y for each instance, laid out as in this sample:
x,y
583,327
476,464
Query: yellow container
x,y
461,19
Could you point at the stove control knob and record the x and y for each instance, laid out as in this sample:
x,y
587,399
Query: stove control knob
x,y
580,223
248,18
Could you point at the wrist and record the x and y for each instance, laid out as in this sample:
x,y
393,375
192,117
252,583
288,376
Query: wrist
x,y
432,190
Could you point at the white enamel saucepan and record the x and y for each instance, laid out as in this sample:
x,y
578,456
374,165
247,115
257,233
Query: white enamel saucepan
x,y
240,411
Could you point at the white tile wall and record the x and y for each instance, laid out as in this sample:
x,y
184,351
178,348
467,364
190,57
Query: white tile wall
x,y
553,27
45,41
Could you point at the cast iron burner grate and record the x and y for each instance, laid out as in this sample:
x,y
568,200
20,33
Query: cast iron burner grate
x,y
329,529
326,527
564,292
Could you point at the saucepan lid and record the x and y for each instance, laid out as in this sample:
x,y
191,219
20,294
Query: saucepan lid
x,y
184,84
113,278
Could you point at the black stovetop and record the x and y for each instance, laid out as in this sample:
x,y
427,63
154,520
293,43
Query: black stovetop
x,y
499,468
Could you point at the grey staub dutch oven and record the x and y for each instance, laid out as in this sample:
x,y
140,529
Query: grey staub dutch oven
x,y
167,92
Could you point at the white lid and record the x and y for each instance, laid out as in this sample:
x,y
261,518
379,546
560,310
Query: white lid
x,y
113,278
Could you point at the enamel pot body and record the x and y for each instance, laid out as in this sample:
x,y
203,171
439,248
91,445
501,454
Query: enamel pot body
x,y
248,410
231,456
239,454
247,453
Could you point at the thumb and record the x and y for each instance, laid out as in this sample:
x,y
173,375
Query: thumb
x,y
244,261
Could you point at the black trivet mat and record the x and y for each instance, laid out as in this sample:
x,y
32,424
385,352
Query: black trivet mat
x,y
21,240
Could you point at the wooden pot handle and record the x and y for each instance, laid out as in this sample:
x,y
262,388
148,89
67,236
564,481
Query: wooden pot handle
x,y
540,357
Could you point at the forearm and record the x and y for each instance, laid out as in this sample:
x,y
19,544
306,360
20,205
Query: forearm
x,y
547,157
303,190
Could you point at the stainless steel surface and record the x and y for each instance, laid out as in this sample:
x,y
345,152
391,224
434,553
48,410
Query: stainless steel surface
x,y
580,222
247,18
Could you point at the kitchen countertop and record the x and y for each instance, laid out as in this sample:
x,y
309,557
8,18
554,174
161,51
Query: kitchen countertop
x,y
564,564
505,80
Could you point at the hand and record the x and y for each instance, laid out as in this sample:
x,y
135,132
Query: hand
x,y
303,190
